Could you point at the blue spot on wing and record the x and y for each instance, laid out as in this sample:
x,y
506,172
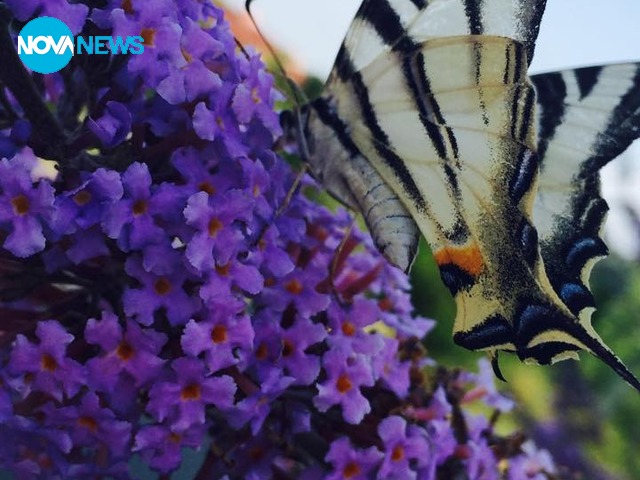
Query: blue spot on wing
x,y
576,297
526,172
495,330
528,237
454,278
583,250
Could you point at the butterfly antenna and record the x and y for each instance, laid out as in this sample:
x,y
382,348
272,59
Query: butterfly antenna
x,y
291,85
296,94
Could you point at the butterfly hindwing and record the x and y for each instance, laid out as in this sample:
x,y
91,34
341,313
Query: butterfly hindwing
x,y
587,117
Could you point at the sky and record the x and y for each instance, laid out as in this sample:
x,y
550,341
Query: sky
x,y
573,33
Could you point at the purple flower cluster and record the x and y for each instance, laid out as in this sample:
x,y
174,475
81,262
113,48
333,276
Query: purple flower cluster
x,y
160,291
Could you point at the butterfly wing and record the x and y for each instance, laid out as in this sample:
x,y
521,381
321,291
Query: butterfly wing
x,y
435,96
455,141
383,25
587,117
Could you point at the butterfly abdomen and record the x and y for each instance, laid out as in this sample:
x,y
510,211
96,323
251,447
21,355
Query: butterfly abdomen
x,y
338,164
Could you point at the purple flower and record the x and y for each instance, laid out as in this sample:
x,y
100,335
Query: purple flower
x,y
130,353
213,120
255,408
256,96
273,259
193,80
183,399
351,463
161,447
44,366
286,349
24,207
72,14
225,280
256,181
486,387
90,425
299,289
480,462
390,369
84,206
346,373
35,451
131,219
403,447
113,126
157,24
159,291
533,464
203,173
295,360
218,220
347,327
225,337
256,459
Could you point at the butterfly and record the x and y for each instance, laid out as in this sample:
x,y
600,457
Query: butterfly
x,y
429,123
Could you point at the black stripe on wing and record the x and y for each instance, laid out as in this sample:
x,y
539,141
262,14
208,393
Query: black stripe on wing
x,y
384,19
551,92
587,79
395,163
576,237
420,4
473,10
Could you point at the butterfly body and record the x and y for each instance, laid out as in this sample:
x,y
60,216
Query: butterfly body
x,y
429,122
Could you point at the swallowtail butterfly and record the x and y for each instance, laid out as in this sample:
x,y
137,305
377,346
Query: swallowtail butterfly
x,y
430,123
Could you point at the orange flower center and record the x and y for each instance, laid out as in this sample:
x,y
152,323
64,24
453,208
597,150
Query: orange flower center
x,y
294,287
140,207
148,36
351,469
127,7
223,270
287,348
191,392
214,227
207,188
88,423
20,205
82,198
219,334
124,351
343,384
348,328
48,363
397,453
162,286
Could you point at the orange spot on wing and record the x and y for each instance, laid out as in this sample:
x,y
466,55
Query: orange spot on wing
x,y
467,258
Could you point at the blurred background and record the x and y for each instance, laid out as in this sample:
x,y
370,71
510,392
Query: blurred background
x,y
581,412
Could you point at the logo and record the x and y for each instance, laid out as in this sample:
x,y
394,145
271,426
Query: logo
x,y
46,45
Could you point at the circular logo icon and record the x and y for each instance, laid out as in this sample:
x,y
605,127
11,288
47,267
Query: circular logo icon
x,y
45,44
